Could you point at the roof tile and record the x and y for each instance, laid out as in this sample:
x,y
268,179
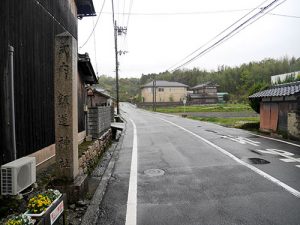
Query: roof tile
x,y
279,90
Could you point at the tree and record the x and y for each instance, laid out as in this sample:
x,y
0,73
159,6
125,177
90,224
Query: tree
x,y
255,102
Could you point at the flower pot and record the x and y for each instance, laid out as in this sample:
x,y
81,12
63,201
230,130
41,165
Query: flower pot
x,y
42,213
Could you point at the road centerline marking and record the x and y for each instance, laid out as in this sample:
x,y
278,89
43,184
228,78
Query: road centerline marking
x,y
132,190
253,168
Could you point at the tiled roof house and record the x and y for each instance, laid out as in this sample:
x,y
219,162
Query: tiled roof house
x,y
280,109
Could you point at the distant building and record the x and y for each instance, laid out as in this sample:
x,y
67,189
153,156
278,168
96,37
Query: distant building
x,y
205,93
276,79
279,109
221,98
166,92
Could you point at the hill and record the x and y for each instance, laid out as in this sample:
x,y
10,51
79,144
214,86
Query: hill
x,y
237,81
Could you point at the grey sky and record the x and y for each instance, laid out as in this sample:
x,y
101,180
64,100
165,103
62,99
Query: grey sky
x,y
156,42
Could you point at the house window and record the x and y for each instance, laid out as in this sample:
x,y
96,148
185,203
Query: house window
x,y
160,89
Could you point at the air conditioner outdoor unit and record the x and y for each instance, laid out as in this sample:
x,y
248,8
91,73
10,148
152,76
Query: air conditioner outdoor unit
x,y
17,175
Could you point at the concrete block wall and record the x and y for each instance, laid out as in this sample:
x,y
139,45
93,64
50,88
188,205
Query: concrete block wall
x,y
99,120
91,156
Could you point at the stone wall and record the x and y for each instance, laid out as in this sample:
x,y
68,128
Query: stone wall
x,y
294,121
94,151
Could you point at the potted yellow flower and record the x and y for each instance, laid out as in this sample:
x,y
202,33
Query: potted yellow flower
x,y
21,219
39,204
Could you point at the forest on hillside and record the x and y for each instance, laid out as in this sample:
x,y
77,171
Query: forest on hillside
x,y
237,81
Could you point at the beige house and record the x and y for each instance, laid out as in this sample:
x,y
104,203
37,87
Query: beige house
x,y
166,92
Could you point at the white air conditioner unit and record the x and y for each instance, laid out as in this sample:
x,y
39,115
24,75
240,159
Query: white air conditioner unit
x,y
17,175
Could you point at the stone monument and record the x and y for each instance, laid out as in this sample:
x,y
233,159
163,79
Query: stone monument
x,y
65,94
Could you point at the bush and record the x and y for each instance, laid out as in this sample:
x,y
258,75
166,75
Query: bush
x,y
255,102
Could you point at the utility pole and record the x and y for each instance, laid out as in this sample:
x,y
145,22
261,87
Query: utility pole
x,y
116,54
154,93
117,65
117,31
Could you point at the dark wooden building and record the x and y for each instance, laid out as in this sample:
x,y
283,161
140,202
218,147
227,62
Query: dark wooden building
x,y
280,109
204,94
86,77
30,27
98,97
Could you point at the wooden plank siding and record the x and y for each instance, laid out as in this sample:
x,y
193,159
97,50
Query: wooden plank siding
x,y
274,115
82,100
269,116
31,29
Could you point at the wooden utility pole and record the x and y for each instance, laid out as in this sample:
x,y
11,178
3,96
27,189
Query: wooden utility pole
x,y
116,54
117,65
154,93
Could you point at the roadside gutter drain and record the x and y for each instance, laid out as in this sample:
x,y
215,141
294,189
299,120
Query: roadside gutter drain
x,y
154,172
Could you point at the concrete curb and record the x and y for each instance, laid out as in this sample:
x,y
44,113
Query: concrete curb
x,y
92,213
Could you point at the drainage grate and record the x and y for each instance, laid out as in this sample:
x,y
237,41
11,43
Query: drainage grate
x,y
154,172
258,161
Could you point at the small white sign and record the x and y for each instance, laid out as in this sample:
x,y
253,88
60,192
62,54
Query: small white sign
x,y
57,212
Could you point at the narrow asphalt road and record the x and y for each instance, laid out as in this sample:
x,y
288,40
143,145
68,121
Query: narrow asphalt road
x,y
172,170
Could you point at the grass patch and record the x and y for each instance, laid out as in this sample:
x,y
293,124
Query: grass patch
x,y
232,122
83,147
206,108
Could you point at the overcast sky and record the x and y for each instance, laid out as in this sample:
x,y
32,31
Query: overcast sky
x,y
163,32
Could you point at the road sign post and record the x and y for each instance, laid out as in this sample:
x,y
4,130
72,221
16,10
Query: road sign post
x,y
184,103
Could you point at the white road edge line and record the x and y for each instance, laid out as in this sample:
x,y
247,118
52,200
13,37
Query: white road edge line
x,y
132,190
274,139
253,168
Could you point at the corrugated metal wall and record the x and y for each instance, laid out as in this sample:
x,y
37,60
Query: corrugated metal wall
x,y
30,29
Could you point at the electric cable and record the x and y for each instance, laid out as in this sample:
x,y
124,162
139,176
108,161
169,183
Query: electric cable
x,y
184,13
95,51
125,42
129,12
223,31
226,37
93,27
283,15
238,31
230,34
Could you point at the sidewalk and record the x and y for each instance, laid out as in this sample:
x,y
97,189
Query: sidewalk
x,y
99,179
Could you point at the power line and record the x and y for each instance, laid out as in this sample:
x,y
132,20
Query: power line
x,y
236,32
183,13
226,37
93,27
95,52
283,15
129,14
223,31
230,34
